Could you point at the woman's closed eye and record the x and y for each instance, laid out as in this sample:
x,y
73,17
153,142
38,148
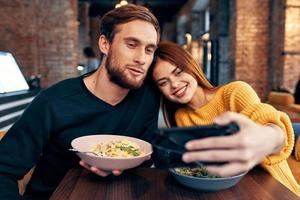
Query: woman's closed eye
x,y
178,71
162,83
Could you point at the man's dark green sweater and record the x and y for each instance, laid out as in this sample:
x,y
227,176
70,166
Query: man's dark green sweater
x,y
42,136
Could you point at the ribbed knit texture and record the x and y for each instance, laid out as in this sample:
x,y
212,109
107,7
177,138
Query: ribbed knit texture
x,y
239,97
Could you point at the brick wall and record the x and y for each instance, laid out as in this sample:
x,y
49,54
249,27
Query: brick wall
x,y
291,68
277,22
43,36
84,30
252,42
265,43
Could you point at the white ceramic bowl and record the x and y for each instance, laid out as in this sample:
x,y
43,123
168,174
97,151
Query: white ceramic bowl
x,y
83,144
206,183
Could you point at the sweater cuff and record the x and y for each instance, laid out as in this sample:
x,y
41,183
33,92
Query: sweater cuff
x,y
284,123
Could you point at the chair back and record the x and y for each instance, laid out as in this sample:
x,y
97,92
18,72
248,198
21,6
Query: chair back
x,y
2,133
280,98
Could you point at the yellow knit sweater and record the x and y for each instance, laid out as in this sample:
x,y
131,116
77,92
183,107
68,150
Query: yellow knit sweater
x,y
239,97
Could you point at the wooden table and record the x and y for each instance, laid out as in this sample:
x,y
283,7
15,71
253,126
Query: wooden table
x,y
154,184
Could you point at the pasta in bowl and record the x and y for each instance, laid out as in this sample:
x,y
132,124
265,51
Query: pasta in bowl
x,y
112,152
117,148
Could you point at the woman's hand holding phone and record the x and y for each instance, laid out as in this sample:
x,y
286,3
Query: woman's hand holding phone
x,y
242,151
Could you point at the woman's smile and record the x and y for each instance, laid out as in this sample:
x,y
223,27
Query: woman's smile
x,y
181,91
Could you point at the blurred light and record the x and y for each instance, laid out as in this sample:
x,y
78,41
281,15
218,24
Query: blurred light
x,y
205,37
209,45
188,38
209,56
123,3
80,67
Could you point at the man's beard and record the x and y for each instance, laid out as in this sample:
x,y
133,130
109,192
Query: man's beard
x,y
118,76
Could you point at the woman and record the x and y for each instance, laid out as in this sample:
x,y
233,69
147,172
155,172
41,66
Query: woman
x,y
265,135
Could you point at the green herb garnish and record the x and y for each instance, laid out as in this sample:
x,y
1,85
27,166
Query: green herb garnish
x,y
130,150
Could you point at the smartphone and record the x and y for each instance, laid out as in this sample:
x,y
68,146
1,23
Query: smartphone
x,y
168,145
180,135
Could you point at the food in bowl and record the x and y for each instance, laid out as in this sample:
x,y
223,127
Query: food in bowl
x,y
85,143
117,148
197,172
205,182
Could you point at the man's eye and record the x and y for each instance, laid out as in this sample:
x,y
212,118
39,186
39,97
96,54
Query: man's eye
x,y
150,51
131,45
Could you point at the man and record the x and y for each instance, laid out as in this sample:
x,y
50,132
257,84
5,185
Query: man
x,y
112,99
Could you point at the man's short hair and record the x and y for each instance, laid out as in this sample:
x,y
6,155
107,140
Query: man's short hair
x,y
125,14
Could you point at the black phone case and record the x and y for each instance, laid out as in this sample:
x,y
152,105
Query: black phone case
x,y
168,146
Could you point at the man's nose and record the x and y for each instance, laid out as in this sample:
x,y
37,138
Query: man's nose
x,y
140,57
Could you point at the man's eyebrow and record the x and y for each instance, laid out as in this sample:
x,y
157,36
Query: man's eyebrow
x,y
132,39
154,46
139,42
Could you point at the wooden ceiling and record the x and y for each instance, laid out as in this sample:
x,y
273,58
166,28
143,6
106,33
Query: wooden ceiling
x,y
164,10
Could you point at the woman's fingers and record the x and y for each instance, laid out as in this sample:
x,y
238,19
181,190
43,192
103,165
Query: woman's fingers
x,y
218,156
228,117
221,142
237,140
230,169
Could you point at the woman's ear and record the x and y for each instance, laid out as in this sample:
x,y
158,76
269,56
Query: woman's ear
x,y
103,44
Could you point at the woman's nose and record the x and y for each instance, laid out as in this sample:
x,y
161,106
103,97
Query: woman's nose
x,y
174,83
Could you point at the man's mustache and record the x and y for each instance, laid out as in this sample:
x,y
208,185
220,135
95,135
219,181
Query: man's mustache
x,y
138,68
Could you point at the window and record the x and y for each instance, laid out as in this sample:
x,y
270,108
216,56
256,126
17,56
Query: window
x,y
11,78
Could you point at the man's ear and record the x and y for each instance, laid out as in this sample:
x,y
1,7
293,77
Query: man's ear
x,y
104,44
